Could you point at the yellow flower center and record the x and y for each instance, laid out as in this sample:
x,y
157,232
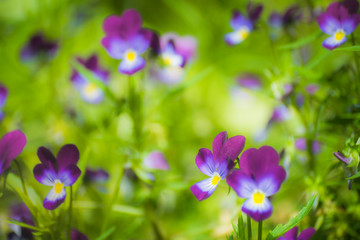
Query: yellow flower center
x,y
167,61
58,187
243,33
258,197
215,180
90,88
340,34
130,55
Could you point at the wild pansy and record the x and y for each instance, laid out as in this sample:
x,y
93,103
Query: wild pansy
x,y
3,97
339,20
292,234
88,90
76,235
96,175
258,178
126,40
243,25
38,46
59,172
11,145
21,212
249,81
218,164
156,160
288,18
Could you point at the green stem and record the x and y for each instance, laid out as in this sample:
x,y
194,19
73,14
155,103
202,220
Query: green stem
x,y
21,177
248,220
260,230
70,213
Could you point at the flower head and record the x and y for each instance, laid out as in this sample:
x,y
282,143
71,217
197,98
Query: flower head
x,y
156,160
11,145
96,175
217,164
126,40
59,172
3,97
339,20
259,177
292,234
37,46
290,16
76,235
89,91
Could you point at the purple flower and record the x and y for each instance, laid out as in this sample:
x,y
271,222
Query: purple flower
x,y
38,45
292,234
96,175
280,114
76,235
11,145
291,16
21,212
218,164
339,20
3,97
311,89
59,172
259,177
156,160
300,144
249,81
126,40
342,158
89,91
254,11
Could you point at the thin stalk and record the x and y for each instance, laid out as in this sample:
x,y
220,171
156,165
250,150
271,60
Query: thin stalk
x,y
70,213
357,65
21,177
260,230
248,220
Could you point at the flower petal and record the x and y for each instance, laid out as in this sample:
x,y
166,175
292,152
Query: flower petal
x,y
331,42
233,147
3,95
156,160
306,234
53,199
141,41
233,38
203,189
69,175
350,23
67,155
258,212
242,184
115,46
205,161
218,144
45,174
291,234
76,235
328,23
238,21
131,67
46,157
271,181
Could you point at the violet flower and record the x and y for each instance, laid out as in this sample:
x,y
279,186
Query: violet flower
x,y
89,91
11,145
218,164
249,81
311,89
96,175
76,235
259,177
59,172
156,160
292,234
339,20
21,212
290,16
3,97
300,144
126,40
37,46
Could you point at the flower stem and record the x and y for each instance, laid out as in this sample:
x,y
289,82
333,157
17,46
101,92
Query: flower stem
x,y
70,213
248,219
260,230
21,177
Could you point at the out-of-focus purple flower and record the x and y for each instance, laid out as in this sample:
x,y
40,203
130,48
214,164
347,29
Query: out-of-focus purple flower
x,y
341,157
249,81
88,90
20,212
38,45
76,235
339,20
11,145
59,172
156,160
300,144
96,175
254,11
299,100
258,178
3,97
218,164
126,40
291,16
311,89
280,114
292,234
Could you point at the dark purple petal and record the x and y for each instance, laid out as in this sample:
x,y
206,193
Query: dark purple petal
x,y
96,175
205,161
115,46
243,185
203,189
47,158
155,44
130,67
280,113
112,25
254,11
45,174
3,95
341,157
258,212
306,234
328,23
291,234
92,62
76,235
334,9
352,6
218,144
69,175
256,162
232,148
271,181
67,155
292,15
11,145
53,199
131,23
156,160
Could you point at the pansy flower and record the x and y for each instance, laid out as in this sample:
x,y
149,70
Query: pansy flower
x,y
11,145
76,235
38,46
259,177
88,90
289,17
292,234
3,97
21,212
339,20
156,160
96,175
59,172
217,164
126,40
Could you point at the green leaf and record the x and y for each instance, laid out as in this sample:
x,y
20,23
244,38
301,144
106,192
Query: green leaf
x,y
231,237
24,225
281,229
241,228
106,234
318,58
357,175
352,48
301,42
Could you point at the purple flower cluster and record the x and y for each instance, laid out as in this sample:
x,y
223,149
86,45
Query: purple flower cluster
x,y
289,17
293,234
38,46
